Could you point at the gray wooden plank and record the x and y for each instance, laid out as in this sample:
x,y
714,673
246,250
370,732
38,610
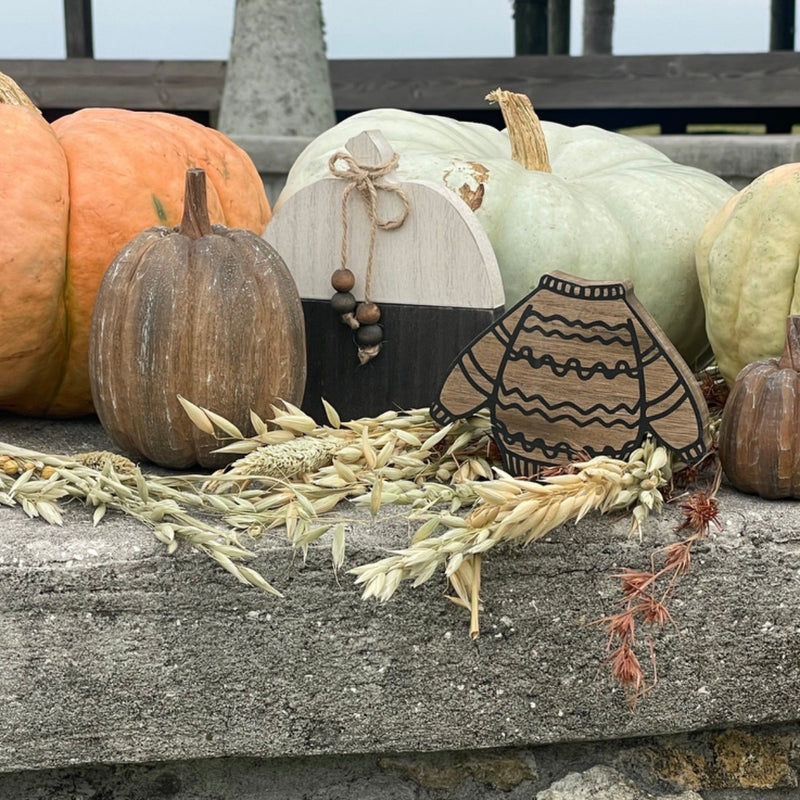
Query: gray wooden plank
x,y
562,82
77,83
737,81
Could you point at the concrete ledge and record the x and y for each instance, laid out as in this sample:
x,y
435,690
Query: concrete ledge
x,y
113,652
738,159
272,154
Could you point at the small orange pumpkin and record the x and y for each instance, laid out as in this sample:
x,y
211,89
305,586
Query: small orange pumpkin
x,y
71,195
759,439
200,311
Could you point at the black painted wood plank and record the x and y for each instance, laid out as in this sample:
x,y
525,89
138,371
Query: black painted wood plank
x,y
421,344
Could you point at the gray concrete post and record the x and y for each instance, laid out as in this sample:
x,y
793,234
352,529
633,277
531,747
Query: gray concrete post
x,y
277,94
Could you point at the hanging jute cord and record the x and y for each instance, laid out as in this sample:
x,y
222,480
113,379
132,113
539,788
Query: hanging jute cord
x,y
367,181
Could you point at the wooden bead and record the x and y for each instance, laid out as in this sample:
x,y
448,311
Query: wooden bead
x,y
368,313
369,335
343,280
343,302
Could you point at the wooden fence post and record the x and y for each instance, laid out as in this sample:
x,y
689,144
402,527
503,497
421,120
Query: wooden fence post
x,y
598,27
78,28
530,27
558,26
781,25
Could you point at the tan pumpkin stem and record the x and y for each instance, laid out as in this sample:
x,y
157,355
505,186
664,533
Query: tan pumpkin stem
x,y
791,352
12,95
528,145
195,222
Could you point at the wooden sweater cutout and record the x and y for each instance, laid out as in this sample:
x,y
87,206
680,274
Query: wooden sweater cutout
x,y
577,367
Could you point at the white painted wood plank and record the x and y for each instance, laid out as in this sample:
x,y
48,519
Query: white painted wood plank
x,y
440,256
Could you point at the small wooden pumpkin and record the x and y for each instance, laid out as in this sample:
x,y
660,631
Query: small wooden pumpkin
x,y
202,311
759,440
71,195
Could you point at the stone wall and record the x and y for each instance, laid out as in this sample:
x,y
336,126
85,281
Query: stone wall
x,y
729,764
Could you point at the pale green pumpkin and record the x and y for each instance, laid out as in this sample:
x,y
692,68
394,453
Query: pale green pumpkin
x,y
611,208
747,263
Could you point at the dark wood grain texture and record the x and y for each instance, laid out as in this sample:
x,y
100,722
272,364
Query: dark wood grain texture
x,y
159,85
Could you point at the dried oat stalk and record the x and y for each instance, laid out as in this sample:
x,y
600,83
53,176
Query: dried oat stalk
x,y
107,481
515,510
293,473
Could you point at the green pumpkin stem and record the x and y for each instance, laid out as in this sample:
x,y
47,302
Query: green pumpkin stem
x,y
195,222
12,95
528,145
791,351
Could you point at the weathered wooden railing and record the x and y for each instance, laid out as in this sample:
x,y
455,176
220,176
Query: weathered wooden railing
x,y
613,91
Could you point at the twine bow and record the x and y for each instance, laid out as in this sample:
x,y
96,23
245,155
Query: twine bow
x,y
366,180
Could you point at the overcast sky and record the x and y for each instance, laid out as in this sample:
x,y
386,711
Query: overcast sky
x,y
202,29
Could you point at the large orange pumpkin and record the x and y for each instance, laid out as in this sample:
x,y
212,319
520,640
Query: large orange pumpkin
x,y
71,195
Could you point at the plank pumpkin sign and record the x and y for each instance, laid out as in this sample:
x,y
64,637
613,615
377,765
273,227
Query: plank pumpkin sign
x,y
361,238
576,367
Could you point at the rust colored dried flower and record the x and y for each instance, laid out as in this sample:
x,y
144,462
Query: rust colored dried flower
x,y
700,512
634,582
626,669
678,556
653,612
715,390
620,626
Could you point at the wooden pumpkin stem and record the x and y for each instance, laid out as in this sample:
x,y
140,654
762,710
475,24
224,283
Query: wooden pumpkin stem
x,y
528,145
12,95
195,222
791,351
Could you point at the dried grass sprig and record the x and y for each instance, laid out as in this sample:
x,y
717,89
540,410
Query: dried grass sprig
x,y
304,470
515,510
292,473
36,482
646,595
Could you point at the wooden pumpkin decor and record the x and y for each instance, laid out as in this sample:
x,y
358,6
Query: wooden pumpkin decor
x,y
587,201
577,367
406,267
202,311
759,438
72,193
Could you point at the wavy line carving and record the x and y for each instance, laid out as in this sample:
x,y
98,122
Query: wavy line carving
x,y
574,365
509,391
